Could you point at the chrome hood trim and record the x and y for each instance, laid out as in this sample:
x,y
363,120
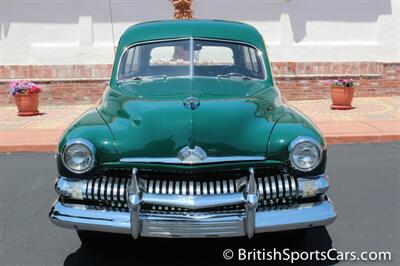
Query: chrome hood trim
x,y
208,160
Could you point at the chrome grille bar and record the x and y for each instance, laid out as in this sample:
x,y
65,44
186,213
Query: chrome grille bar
x,y
113,189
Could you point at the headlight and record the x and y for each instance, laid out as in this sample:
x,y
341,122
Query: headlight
x,y
78,156
305,153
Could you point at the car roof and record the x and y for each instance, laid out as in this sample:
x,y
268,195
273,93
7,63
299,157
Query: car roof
x,y
196,28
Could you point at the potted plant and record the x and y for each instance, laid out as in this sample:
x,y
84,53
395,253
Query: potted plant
x,y
26,95
342,92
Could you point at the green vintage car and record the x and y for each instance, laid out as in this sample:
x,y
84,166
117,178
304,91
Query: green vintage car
x,y
191,139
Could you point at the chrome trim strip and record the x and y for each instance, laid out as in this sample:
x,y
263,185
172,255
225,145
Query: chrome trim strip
x,y
208,160
294,190
287,187
260,187
177,189
191,44
170,187
273,187
280,186
184,187
102,188
211,187
157,188
164,187
205,190
121,189
198,188
89,189
224,186
150,190
115,188
96,189
217,187
231,186
267,188
109,185
191,188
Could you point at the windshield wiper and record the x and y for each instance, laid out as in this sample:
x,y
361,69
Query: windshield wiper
x,y
234,75
140,78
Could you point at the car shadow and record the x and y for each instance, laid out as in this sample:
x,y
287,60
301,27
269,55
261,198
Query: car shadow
x,y
121,250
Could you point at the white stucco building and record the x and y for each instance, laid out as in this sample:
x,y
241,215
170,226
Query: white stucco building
x,y
42,32
67,46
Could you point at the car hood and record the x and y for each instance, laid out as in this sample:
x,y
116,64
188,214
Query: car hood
x,y
149,119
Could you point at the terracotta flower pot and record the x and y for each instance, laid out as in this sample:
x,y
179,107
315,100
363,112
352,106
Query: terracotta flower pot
x,y
342,97
27,104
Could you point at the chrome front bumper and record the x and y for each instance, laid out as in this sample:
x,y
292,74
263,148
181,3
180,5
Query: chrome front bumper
x,y
80,217
195,223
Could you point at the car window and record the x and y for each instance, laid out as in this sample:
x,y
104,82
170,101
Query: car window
x,y
132,60
173,58
169,55
169,58
214,58
250,59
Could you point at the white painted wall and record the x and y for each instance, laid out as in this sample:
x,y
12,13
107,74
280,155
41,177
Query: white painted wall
x,y
81,32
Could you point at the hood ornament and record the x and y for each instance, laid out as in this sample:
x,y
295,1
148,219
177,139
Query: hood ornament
x,y
191,103
190,156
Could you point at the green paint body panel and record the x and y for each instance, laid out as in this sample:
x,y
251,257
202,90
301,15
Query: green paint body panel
x,y
148,119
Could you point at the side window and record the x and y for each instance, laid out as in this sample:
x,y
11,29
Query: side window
x,y
132,61
250,59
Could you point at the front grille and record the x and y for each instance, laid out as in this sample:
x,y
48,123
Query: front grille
x,y
112,190
183,187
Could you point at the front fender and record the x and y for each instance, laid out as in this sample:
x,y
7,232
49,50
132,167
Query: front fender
x,y
288,127
89,126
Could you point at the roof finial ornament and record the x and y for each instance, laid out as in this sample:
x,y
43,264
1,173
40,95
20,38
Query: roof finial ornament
x,y
183,9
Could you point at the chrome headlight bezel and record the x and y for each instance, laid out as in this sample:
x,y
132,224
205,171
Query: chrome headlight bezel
x,y
90,148
300,140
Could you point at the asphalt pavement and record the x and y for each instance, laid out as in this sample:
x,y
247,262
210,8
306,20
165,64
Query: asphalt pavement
x,y
366,185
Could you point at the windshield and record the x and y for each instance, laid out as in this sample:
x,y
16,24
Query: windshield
x,y
204,58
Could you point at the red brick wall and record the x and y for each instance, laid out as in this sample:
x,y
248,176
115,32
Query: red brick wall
x,y
296,80
310,80
60,83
